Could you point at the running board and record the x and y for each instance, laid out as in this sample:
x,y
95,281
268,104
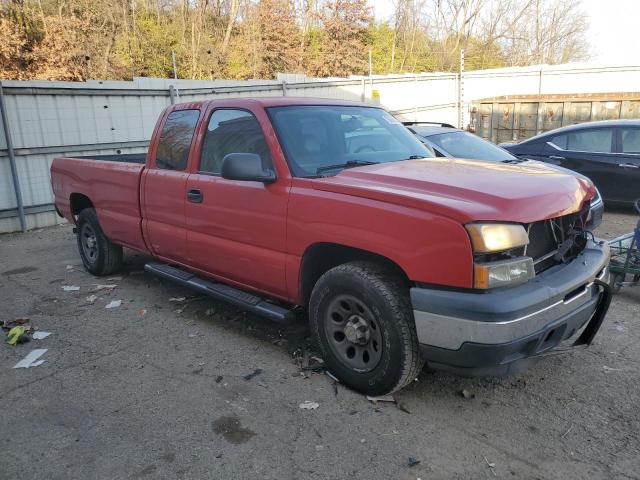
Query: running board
x,y
220,291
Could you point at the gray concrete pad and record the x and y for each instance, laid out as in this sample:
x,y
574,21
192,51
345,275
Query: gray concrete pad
x,y
163,395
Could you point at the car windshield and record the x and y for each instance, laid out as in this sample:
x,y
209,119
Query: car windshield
x,y
466,145
325,139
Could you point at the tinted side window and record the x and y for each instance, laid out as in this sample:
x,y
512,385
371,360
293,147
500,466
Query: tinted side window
x,y
596,140
175,139
232,131
560,141
630,140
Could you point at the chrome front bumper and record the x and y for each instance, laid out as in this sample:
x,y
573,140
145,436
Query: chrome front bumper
x,y
480,329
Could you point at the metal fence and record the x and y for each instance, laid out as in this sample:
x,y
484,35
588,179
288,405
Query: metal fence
x,y
48,119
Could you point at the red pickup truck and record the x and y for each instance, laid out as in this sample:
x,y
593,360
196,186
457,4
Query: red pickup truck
x,y
399,258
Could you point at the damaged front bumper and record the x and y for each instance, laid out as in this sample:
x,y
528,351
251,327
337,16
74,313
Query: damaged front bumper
x,y
502,331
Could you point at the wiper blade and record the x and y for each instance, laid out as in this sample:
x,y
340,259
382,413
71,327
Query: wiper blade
x,y
348,164
416,157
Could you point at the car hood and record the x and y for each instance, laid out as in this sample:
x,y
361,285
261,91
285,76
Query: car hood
x,y
467,190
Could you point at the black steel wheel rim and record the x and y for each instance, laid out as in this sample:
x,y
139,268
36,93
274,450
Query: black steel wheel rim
x,y
89,242
353,333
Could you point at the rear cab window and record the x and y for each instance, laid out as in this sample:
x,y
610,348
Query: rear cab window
x,y
175,139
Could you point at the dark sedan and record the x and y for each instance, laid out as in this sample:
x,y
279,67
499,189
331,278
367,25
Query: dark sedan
x,y
447,141
607,152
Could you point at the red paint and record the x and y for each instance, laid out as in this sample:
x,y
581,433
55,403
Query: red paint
x,y
254,235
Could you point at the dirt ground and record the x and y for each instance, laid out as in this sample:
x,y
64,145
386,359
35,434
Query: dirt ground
x,y
158,388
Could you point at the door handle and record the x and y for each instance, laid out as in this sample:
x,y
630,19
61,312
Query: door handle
x,y
556,157
194,195
628,165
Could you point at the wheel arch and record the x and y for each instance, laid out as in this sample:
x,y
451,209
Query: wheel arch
x,y
319,258
78,202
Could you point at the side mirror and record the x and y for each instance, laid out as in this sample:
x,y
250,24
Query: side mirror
x,y
247,167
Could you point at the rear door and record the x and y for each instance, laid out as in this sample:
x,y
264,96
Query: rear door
x,y
589,151
629,162
165,184
236,229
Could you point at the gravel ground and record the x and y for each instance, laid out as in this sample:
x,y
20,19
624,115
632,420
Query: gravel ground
x,y
157,389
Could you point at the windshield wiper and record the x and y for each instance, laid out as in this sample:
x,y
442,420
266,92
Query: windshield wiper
x,y
348,164
416,157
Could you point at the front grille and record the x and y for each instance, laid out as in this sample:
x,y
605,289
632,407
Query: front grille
x,y
556,240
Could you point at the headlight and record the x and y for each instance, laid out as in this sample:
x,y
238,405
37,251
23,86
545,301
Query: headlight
x,y
496,237
503,273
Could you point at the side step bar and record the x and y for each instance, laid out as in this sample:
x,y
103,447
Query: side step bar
x,y
220,291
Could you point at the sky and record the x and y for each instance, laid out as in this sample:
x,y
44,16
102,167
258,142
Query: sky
x,y
613,29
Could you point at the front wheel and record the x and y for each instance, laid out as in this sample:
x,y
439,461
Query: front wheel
x,y
362,320
99,255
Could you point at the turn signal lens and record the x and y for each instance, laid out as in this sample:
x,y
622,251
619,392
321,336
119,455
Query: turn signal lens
x,y
503,273
496,237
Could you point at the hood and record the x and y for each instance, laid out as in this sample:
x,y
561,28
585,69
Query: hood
x,y
467,190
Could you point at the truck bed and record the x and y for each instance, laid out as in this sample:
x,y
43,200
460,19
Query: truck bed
x,y
112,184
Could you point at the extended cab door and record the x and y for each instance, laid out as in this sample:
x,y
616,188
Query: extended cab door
x,y
236,229
164,185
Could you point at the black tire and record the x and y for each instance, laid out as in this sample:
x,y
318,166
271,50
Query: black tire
x,y
376,297
99,255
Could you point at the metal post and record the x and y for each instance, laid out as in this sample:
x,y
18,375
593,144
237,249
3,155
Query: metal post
x,y
371,74
12,161
415,108
540,82
284,87
461,91
172,94
363,93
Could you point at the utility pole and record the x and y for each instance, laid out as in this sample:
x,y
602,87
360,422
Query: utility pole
x,y
461,91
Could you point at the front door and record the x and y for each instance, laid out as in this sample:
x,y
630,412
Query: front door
x,y
164,187
236,229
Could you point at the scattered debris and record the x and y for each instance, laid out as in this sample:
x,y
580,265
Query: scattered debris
x,y
177,299
193,335
142,312
69,267
210,311
114,279
609,369
113,304
99,287
383,398
91,298
31,360
331,376
70,288
312,364
567,432
255,373
491,465
412,462
18,335
307,405
334,384
219,378
40,335
467,394
403,407
9,324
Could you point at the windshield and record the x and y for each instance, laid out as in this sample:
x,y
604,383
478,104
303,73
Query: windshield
x,y
326,138
466,145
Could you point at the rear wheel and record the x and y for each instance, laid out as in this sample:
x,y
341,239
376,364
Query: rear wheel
x,y
362,319
99,255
